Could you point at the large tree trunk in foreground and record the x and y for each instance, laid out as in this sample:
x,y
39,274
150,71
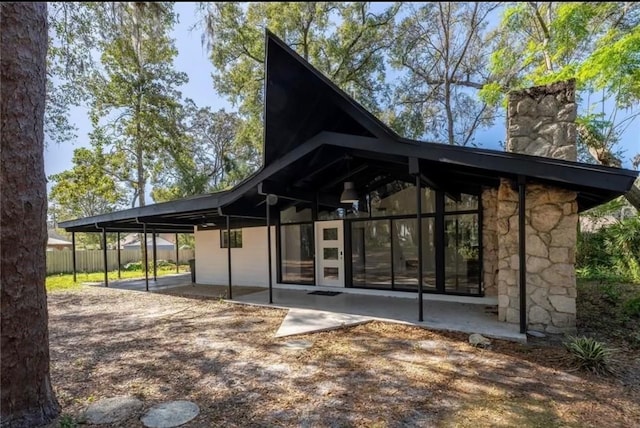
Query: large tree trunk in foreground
x,y
26,396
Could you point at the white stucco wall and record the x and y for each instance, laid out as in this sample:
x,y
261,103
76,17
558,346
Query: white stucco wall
x,y
249,264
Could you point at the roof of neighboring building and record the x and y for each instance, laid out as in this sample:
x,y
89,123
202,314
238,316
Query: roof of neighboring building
x,y
316,137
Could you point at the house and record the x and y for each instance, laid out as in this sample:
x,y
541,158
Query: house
x,y
55,241
132,242
353,206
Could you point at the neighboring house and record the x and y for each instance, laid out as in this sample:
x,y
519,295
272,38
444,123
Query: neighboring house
x,y
58,244
354,206
132,242
55,241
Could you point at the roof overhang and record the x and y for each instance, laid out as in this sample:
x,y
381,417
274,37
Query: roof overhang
x,y
317,137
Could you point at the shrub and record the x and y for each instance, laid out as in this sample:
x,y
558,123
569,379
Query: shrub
x,y
133,266
632,307
589,354
611,253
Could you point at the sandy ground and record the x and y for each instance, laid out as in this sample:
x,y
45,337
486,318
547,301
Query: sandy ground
x,y
222,356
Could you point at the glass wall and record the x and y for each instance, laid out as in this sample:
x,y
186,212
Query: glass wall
x,y
371,253
399,198
461,253
429,253
296,253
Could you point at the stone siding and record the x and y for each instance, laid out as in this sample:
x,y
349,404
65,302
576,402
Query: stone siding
x,y
490,241
541,121
551,219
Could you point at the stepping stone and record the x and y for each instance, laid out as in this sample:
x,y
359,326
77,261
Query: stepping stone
x,y
303,321
111,410
297,344
171,414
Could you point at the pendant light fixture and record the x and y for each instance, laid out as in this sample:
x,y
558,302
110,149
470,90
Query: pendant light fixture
x,y
349,194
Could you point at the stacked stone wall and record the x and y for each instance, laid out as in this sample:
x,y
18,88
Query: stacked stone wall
x,y
540,123
551,221
490,241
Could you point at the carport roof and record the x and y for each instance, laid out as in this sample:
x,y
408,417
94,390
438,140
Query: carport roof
x,y
316,137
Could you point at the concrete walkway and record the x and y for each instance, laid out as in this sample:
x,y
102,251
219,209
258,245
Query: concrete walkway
x,y
309,313
318,313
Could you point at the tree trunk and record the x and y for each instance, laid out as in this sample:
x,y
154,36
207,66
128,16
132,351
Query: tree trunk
x,y
633,195
26,396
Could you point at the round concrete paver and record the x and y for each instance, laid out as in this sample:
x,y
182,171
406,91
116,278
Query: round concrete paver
x,y
111,410
171,414
297,344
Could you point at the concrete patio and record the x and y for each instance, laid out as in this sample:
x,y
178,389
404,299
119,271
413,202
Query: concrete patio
x,y
311,312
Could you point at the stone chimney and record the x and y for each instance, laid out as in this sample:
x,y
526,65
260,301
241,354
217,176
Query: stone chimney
x,y
540,123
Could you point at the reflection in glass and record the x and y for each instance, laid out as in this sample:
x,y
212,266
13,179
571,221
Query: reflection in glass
x,y
330,234
429,253
464,203
405,254
461,254
296,253
295,214
399,198
330,254
371,253
331,273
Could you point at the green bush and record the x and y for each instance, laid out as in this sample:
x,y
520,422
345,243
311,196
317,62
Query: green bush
x,y
132,266
612,253
589,354
632,307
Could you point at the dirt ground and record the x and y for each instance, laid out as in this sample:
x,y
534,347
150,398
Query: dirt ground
x,y
223,357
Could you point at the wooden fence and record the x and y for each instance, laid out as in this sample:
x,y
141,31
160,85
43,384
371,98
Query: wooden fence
x,y
92,260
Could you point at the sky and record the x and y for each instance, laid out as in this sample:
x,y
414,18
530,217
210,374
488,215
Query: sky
x,y
193,59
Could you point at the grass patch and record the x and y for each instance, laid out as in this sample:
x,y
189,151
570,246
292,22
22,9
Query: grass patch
x,y
64,281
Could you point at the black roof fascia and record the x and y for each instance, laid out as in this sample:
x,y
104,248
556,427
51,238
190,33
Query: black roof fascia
x,y
599,177
194,204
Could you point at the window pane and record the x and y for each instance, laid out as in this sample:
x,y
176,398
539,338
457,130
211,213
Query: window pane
x,y
296,253
330,254
405,254
224,239
461,253
465,203
371,253
331,273
295,214
429,253
330,234
399,198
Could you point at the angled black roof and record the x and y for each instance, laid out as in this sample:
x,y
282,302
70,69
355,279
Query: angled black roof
x,y
316,137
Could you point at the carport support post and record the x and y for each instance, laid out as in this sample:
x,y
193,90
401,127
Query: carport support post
x,y
73,254
104,257
118,252
155,256
146,257
522,254
419,230
229,254
269,247
177,255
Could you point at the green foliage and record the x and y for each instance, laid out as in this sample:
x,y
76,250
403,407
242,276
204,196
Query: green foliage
x,y
344,40
67,421
85,190
441,50
589,354
595,43
611,253
632,306
133,266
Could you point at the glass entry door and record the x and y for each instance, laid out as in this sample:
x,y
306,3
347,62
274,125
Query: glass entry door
x,y
330,253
